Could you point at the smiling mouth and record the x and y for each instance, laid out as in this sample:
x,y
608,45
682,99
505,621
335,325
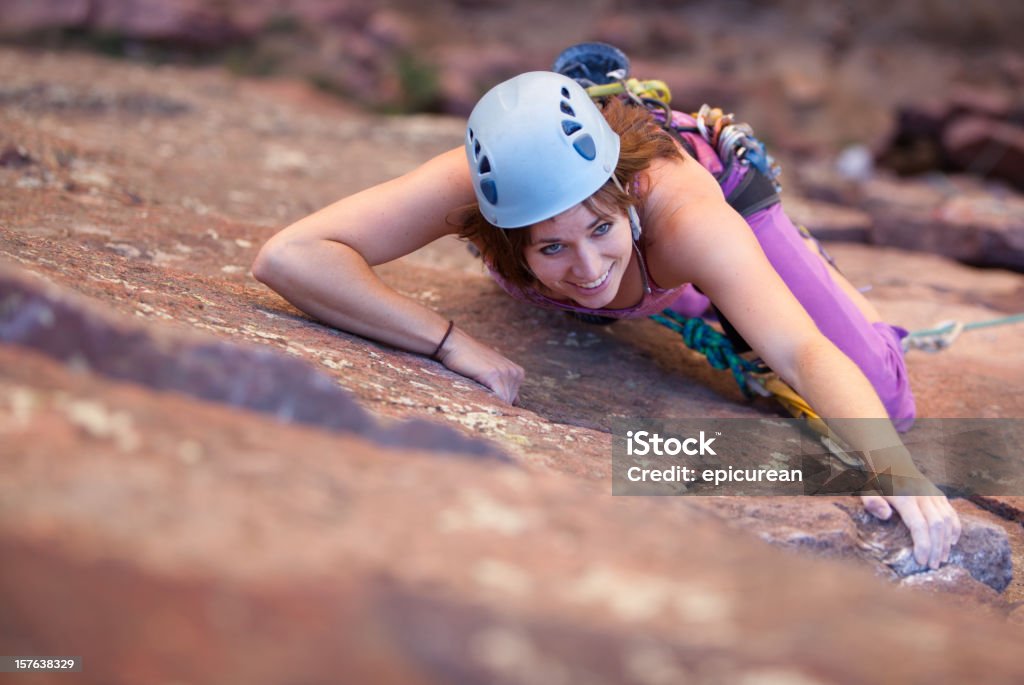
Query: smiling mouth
x,y
596,283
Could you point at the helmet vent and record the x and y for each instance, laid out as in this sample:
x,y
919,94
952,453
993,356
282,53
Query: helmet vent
x,y
485,166
490,191
470,132
476,148
586,147
567,109
570,127
565,92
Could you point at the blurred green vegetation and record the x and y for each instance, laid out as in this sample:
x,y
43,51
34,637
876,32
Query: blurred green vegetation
x,y
420,83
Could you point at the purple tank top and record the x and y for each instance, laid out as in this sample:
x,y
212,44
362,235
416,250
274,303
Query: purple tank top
x,y
655,299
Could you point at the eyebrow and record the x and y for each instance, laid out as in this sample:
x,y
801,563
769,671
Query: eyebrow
x,y
593,224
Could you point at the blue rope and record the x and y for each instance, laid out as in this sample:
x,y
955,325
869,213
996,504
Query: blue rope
x,y
943,335
698,335
1013,318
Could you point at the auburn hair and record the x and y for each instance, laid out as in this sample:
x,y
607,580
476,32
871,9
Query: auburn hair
x,y
641,140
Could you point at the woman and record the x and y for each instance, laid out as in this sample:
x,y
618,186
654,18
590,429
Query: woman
x,y
604,212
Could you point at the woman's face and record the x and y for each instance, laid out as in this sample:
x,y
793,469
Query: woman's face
x,y
581,256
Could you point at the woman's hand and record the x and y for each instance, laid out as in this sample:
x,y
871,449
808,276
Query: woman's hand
x,y
467,356
934,524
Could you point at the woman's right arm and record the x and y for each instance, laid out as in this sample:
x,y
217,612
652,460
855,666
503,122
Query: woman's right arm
x,y
323,263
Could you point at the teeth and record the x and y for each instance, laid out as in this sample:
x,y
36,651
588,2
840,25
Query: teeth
x,y
594,284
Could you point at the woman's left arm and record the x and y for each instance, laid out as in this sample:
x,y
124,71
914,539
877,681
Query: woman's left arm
x,y
724,259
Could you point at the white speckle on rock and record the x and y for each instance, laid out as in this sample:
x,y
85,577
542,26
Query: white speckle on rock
x,y
90,229
337,365
195,205
502,577
479,511
100,422
161,257
23,403
514,657
653,665
636,596
776,676
191,452
91,177
280,159
124,249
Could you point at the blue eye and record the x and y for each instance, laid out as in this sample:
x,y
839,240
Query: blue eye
x,y
602,229
553,248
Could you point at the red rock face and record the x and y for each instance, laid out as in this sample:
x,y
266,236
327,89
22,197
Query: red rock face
x,y
201,484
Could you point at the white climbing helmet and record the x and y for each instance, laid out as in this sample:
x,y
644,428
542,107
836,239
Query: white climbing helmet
x,y
537,145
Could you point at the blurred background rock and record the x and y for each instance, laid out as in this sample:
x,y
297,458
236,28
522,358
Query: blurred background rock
x,y
845,88
846,63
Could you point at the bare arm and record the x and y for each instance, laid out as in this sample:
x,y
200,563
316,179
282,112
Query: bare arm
x,y
323,265
724,259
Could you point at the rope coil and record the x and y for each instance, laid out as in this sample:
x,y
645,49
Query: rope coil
x,y
699,336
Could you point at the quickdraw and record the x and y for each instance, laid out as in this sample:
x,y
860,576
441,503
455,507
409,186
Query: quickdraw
x,y
944,334
734,140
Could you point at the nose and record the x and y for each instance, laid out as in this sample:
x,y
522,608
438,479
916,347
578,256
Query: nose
x,y
587,265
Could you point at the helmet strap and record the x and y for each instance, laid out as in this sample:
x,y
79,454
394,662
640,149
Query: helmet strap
x,y
634,218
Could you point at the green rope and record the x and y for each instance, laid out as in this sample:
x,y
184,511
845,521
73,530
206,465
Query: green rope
x,y
699,336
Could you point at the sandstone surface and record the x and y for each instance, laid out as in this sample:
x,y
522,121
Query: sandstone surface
x,y
156,503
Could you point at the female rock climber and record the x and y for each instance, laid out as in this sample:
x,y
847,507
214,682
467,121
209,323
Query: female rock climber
x,y
599,210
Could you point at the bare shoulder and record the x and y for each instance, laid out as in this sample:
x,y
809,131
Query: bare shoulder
x,y
683,207
672,183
